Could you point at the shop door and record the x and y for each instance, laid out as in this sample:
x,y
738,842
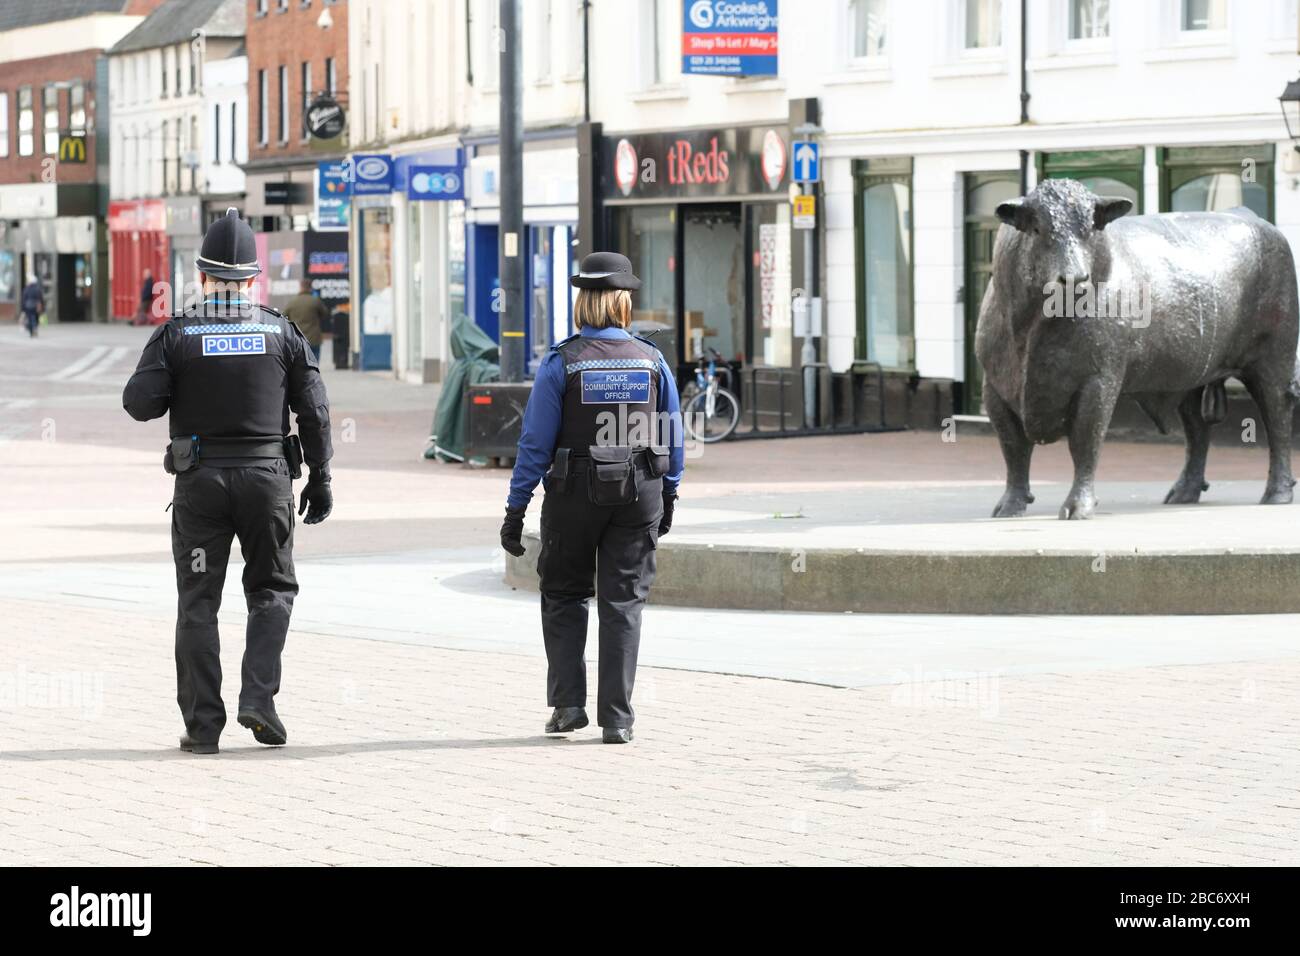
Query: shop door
x,y
713,300
983,193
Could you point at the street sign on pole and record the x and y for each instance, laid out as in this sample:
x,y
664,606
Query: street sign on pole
x,y
807,163
805,212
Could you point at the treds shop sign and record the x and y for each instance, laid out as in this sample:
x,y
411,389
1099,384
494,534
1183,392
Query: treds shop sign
x,y
737,161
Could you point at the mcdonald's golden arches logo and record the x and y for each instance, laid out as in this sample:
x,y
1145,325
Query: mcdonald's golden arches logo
x,y
72,149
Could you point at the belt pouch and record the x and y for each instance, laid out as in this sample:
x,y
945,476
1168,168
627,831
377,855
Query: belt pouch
x,y
293,455
182,455
611,479
656,461
561,473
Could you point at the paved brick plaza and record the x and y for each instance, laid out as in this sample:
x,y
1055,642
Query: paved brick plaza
x,y
415,738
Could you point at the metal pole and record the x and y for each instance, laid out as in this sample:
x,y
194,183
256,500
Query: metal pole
x,y
808,354
510,242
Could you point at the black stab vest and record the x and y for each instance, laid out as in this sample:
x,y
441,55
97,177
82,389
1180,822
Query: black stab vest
x,y
611,392
230,371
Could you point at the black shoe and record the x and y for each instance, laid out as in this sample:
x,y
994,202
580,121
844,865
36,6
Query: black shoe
x,y
565,719
264,724
616,735
192,747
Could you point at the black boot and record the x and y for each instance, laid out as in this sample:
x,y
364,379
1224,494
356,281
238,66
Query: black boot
x,y
565,719
616,735
265,725
191,747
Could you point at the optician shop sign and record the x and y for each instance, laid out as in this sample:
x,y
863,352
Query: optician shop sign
x,y
736,161
730,37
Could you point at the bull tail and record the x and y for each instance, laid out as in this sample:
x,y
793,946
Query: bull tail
x,y
1294,388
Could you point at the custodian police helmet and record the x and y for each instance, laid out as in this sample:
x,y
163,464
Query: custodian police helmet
x,y
229,249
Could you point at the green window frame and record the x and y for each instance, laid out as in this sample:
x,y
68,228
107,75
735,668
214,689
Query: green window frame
x,y
1180,165
1123,165
868,173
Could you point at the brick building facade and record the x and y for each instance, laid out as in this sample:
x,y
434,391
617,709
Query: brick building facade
x,y
296,50
53,150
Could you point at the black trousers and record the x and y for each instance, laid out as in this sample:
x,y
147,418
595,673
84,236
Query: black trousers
x,y
210,507
615,548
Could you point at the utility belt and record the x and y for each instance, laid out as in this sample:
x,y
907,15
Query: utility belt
x,y
611,471
186,452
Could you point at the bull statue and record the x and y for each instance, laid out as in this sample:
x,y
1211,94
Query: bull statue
x,y
1084,306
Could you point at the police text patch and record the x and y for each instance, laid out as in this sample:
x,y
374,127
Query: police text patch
x,y
605,386
235,343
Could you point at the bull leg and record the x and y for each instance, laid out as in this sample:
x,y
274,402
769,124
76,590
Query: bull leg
x,y
1275,407
1187,489
1016,451
1093,406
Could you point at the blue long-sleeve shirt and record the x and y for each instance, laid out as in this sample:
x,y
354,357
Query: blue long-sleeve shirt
x,y
546,407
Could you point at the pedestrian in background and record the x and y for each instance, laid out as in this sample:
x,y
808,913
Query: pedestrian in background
x,y
603,423
33,304
311,316
144,313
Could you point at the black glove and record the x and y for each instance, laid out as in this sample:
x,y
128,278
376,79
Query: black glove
x,y
317,499
512,529
666,522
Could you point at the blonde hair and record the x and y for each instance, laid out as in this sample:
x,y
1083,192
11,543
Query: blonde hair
x,y
603,308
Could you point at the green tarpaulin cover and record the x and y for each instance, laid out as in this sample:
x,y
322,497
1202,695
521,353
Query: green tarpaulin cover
x,y
477,360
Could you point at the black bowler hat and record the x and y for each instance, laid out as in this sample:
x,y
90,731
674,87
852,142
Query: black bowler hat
x,y
229,249
605,270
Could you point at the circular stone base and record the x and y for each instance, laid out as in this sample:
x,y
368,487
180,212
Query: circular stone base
x,y
865,551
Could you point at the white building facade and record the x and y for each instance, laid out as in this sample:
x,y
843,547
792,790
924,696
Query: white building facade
x,y
1170,102
166,160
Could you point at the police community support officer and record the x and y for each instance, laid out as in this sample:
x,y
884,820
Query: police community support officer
x,y
604,418
229,372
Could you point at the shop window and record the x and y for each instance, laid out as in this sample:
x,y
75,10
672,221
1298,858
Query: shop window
x,y
983,24
867,20
542,39
306,97
713,283
1089,19
26,122
1113,172
647,235
1215,178
284,104
1204,15
883,220
51,122
662,38
262,129
771,292
77,109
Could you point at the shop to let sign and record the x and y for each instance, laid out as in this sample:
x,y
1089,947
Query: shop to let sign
x,y
730,37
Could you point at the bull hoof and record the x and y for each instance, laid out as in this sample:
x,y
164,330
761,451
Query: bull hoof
x,y
1078,506
1013,504
1186,492
1277,496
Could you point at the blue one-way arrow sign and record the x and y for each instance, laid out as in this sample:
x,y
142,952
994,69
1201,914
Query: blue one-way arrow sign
x,y
807,163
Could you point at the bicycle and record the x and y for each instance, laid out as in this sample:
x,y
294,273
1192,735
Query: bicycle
x,y
709,411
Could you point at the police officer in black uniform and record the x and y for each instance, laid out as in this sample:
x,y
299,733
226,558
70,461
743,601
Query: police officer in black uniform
x,y
229,372
603,424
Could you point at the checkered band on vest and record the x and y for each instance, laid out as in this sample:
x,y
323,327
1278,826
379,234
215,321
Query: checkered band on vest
x,y
607,382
